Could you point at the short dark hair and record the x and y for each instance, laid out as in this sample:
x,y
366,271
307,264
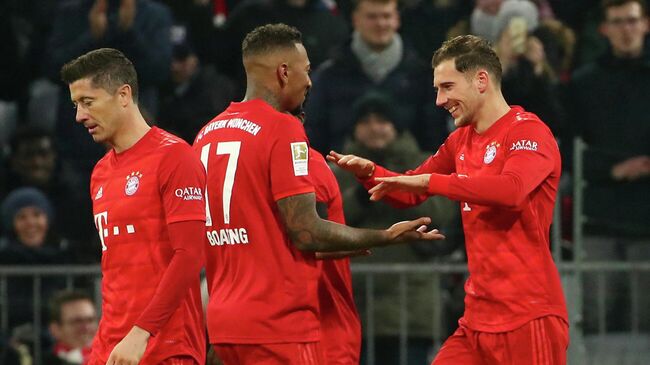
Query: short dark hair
x,y
357,3
606,4
374,103
64,297
268,38
469,53
108,68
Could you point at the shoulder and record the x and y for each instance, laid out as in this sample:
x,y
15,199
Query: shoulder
x,y
584,72
154,7
171,147
287,123
342,60
527,119
102,163
412,60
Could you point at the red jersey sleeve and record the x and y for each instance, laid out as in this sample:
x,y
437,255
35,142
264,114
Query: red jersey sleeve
x,y
187,240
530,159
182,185
289,161
441,163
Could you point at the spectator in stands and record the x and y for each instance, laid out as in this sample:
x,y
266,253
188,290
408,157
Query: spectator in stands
x,y
487,14
374,59
33,161
138,28
73,324
426,24
377,137
528,79
322,31
608,100
30,239
8,354
194,94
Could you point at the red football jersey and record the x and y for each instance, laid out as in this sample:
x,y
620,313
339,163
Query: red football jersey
x,y
340,325
262,288
136,194
506,180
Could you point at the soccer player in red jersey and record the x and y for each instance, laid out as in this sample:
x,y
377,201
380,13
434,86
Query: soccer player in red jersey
x,y
147,194
503,165
340,325
262,225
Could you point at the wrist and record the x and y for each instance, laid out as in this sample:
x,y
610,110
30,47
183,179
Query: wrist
x,y
140,333
370,173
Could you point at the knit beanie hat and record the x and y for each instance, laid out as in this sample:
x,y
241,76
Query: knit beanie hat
x,y
516,9
21,198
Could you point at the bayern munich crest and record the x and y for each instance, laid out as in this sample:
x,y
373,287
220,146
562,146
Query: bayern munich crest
x,y
132,183
491,152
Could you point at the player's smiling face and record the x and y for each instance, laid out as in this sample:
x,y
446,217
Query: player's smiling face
x,y
456,92
97,109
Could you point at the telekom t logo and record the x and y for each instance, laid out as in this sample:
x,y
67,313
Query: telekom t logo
x,y
101,219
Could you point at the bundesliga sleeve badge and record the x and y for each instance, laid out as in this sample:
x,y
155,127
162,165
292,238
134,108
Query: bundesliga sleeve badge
x,y
300,157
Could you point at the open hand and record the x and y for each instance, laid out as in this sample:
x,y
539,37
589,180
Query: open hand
x,y
126,15
415,230
410,183
632,168
97,19
360,167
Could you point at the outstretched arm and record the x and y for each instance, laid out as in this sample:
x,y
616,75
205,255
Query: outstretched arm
x,y
367,173
311,233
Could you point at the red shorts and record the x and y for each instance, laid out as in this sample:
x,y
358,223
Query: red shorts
x,y
176,360
308,353
542,341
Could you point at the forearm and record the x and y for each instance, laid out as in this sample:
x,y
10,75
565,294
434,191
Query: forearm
x,y
183,270
397,198
311,233
503,190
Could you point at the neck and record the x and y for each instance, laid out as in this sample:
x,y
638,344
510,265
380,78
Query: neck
x,y
133,129
628,55
256,91
492,109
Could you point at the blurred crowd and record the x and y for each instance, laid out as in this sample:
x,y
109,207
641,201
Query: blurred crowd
x,y
583,66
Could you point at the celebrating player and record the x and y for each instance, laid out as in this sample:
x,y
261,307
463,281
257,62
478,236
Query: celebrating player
x,y
262,224
149,211
503,165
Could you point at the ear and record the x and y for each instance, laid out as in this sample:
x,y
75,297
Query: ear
x,y
125,95
355,19
482,80
603,29
282,72
55,330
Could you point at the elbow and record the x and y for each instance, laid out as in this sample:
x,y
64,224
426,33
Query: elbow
x,y
304,241
513,200
513,194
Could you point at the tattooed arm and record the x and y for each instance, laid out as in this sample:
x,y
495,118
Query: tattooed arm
x,y
311,233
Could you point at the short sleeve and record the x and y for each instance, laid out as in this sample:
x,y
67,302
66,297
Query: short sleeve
x,y
289,161
182,184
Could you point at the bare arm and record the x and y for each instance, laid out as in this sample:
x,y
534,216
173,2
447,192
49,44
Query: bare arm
x,y
311,233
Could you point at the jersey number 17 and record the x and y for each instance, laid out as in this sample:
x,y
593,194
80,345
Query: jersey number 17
x,y
232,150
